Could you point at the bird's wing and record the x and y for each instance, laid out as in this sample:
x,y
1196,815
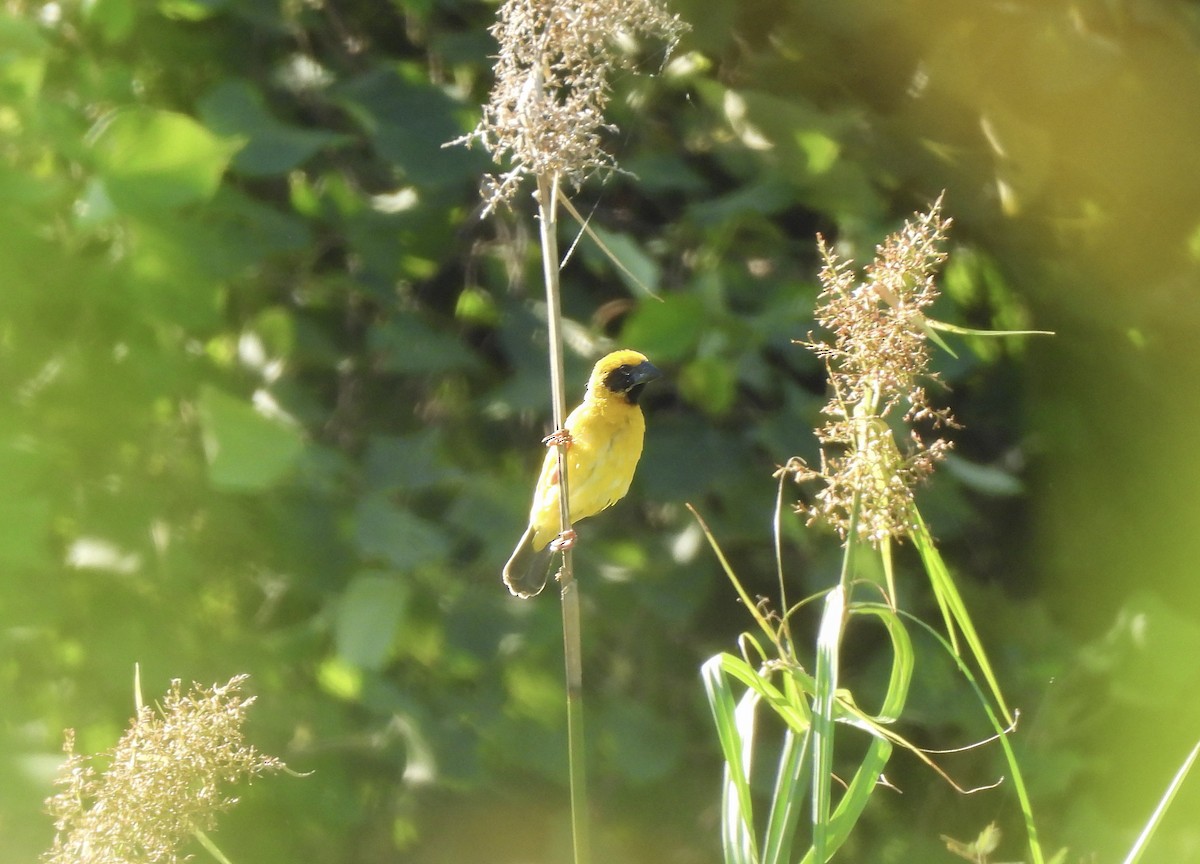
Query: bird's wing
x,y
602,469
601,459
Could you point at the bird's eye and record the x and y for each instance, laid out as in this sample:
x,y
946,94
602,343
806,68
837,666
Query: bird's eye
x,y
618,380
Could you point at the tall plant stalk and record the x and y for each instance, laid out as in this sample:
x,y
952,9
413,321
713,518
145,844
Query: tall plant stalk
x,y
545,120
876,354
547,200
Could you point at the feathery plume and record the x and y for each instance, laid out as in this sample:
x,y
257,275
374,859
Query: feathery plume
x,y
877,359
545,116
164,780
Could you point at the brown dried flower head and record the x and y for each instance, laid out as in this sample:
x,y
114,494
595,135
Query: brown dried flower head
x,y
545,115
165,779
877,359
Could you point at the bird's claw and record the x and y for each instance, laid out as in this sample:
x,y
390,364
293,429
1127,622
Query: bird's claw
x,y
563,541
562,436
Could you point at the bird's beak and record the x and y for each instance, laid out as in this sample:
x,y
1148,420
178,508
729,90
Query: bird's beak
x,y
644,372
639,375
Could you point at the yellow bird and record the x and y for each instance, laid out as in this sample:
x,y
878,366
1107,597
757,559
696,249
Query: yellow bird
x,y
604,442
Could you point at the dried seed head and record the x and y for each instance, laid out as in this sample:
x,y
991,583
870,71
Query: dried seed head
x,y
545,115
166,778
877,359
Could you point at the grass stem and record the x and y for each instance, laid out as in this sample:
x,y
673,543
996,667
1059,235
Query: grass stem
x,y
547,201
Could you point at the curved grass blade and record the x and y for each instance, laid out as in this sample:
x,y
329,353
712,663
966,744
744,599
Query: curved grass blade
x,y
829,638
1002,734
737,816
862,786
954,610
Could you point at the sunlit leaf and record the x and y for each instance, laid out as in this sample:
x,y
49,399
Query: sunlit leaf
x,y
23,53
113,18
246,450
668,330
235,109
710,384
637,269
368,616
191,10
154,160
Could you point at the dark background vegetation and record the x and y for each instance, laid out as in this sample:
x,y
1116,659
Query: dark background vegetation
x,y
272,395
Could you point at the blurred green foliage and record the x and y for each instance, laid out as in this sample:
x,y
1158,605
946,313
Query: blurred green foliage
x,y
272,398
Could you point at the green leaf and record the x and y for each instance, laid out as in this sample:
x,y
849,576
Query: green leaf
x,y
984,479
667,331
191,10
247,451
158,160
406,343
788,796
735,733
368,617
23,53
236,109
408,123
710,384
903,660
396,537
114,19
645,747
640,272
829,638
246,230
854,800
410,462
822,150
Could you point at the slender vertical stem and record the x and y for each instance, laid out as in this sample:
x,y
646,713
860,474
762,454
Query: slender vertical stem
x,y
547,198
548,226
829,640
580,824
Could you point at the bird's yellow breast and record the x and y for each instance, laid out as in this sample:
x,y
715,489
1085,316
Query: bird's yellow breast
x,y
606,443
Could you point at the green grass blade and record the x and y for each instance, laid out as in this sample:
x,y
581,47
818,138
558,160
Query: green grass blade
x,y
747,601
787,799
933,324
585,225
210,847
793,711
737,817
787,802
954,609
866,778
1002,733
744,715
850,808
829,638
903,659
1135,854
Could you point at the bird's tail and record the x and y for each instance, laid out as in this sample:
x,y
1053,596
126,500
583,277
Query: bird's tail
x,y
527,570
